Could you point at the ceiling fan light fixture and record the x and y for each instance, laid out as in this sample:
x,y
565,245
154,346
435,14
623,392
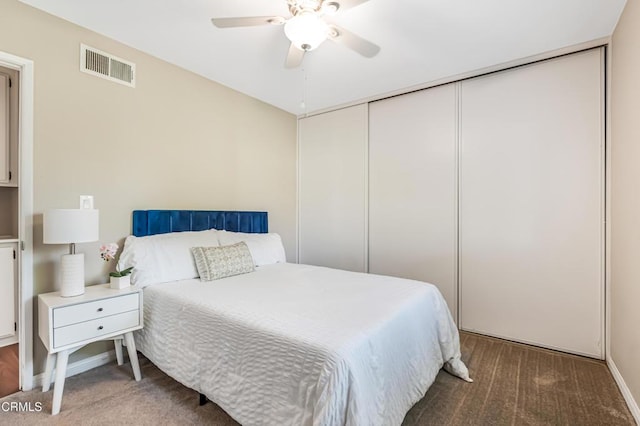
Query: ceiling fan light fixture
x,y
306,30
330,8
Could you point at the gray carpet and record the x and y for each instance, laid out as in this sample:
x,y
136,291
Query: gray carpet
x,y
514,385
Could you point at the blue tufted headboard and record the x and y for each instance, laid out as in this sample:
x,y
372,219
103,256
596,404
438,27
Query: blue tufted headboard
x,y
150,222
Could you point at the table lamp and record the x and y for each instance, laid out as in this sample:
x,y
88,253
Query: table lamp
x,y
70,226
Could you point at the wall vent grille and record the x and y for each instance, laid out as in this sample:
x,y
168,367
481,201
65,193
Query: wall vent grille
x,y
107,66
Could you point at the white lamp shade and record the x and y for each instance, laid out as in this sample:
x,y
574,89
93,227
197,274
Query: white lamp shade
x,y
306,30
66,226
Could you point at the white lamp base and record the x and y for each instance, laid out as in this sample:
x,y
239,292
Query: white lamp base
x,y
72,275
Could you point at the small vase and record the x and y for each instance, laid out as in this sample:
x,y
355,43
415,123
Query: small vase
x,y
120,282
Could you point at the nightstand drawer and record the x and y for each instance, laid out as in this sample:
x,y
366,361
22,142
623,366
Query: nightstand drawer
x,y
75,333
73,314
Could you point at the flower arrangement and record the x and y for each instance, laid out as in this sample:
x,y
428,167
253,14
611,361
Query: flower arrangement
x,y
107,253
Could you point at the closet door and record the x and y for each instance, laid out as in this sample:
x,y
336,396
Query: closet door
x,y
412,188
531,204
332,149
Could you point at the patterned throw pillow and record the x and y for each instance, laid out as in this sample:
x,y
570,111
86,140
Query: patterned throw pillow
x,y
214,263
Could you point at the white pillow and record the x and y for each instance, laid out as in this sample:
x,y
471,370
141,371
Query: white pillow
x,y
265,249
163,257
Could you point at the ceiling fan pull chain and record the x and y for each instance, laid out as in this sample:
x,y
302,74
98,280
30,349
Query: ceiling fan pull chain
x,y
303,104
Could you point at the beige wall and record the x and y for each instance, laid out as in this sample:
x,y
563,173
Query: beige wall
x,y
625,202
175,141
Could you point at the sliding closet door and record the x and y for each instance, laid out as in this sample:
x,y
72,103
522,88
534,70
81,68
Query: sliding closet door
x,y
332,188
412,187
531,204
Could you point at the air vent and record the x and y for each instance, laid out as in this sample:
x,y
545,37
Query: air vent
x,y
107,66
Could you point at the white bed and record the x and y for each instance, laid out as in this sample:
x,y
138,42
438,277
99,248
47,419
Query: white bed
x,y
302,345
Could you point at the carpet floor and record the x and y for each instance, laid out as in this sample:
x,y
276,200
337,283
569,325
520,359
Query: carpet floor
x,y
514,384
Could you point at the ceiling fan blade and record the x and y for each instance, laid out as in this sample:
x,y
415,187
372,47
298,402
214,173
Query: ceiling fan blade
x,y
294,57
250,21
354,42
348,4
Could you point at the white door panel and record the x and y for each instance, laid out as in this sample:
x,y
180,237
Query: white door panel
x,y
332,189
531,212
412,188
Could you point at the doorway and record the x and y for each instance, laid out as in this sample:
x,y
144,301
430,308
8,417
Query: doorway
x,y
16,224
9,208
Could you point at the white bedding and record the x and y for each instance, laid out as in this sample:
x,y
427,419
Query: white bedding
x,y
300,345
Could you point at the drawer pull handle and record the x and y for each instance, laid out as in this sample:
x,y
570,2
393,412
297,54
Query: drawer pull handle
x,y
99,309
100,328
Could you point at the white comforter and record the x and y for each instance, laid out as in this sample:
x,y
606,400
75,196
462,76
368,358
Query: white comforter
x,y
301,345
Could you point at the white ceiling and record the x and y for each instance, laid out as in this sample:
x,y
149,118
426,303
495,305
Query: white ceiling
x,y
420,40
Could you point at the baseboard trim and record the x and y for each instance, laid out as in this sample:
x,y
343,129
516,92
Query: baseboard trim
x,y
80,366
626,393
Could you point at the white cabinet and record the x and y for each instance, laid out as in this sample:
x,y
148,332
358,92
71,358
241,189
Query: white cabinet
x,y
531,204
332,149
9,104
412,188
4,130
8,254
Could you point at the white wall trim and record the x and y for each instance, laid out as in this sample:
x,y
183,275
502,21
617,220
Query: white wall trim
x,y
607,241
366,189
80,366
457,178
25,224
626,393
297,260
604,182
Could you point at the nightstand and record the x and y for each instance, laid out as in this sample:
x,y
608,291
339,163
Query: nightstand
x,y
66,324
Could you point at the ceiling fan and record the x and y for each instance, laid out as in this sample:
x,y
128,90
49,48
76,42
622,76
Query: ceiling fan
x,y
307,27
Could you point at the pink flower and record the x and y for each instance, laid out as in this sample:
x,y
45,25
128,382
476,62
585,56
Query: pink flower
x,y
108,251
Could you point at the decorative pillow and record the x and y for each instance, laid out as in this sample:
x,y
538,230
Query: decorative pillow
x,y
265,249
224,261
163,257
